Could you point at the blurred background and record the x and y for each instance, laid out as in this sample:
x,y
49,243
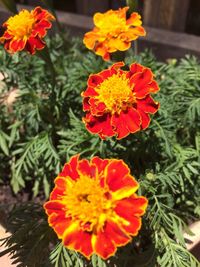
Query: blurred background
x,y
174,15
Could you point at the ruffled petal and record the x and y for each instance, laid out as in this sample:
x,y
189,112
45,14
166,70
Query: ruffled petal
x,y
94,80
102,245
40,28
100,125
141,79
85,168
100,163
115,233
137,205
145,119
126,122
79,240
70,169
119,181
147,105
16,45
134,20
33,44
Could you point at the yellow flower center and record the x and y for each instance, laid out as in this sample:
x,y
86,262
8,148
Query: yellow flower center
x,y
87,202
116,93
21,25
112,24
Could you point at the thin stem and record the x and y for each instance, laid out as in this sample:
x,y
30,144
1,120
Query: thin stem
x,y
136,47
45,56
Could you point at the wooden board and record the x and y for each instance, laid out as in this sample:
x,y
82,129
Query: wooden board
x,y
166,14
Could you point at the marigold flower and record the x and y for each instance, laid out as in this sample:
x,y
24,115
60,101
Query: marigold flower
x,y
113,32
26,30
93,207
118,102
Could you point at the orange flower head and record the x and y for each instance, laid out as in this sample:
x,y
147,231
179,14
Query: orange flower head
x,y
118,102
93,207
26,30
113,32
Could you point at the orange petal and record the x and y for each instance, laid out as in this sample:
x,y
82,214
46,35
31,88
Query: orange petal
x,y
90,39
134,20
118,44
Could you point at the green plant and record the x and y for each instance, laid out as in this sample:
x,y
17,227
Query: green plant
x,y
39,133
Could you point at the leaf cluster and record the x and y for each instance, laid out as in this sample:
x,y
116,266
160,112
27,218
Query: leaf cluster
x,y
41,130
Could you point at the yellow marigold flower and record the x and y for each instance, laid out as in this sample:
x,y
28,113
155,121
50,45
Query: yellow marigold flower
x,y
113,32
94,207
26,30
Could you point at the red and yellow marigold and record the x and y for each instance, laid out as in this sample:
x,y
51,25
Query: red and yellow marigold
x,y
93,207
26,30
113,32
118,102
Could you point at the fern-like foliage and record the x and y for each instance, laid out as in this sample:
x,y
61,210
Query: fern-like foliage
x,y
43,128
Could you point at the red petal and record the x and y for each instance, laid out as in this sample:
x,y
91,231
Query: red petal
x,y
96,107
90,91
86,105
115,67
141,79
135,67
41,27
41,14
145,119
58,221
6,36
17,45
34,43
100,163
100,125
126,122
53,206
134,204
102,245
116,234
106,74
117,176
70,169
133,224
147,105
85,168
94,80
79,240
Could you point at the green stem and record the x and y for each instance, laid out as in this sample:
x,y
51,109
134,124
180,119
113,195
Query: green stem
x,y
136,47
133,5
45,56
